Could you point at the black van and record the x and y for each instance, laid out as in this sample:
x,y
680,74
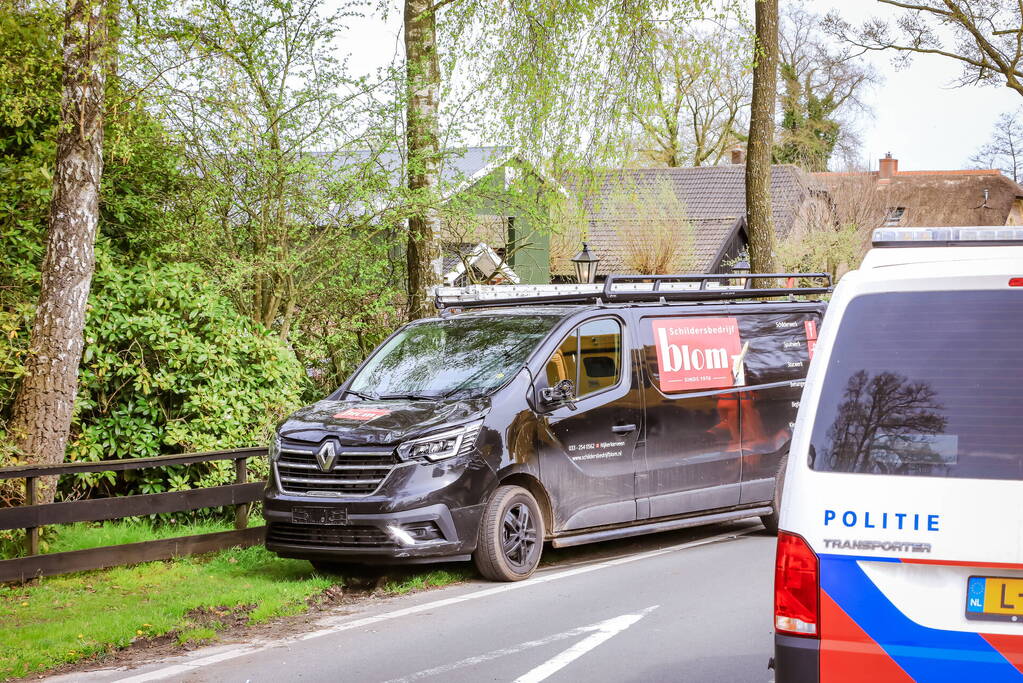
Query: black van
x,y
566,413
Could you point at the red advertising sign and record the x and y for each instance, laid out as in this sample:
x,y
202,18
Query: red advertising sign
x,y
697,353
811,336
362,414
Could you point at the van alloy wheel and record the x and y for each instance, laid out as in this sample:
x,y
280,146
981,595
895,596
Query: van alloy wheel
x,y
519,535
511,535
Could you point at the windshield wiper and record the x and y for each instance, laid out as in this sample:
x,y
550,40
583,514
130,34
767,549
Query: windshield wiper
x,y
365,397
418,397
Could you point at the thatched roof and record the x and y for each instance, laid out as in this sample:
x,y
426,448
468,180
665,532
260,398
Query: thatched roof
x,y
929,198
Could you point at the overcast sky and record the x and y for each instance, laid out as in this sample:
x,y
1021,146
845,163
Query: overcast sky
x,y
918,117
923,121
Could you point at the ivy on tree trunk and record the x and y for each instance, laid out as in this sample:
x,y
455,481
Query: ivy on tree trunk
x,y
759,224
41,415
422,68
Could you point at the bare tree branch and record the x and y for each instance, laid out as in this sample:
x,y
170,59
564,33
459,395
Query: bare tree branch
x,y
963,30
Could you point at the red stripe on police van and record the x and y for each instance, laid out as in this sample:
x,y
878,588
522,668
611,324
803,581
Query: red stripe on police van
x,y
1010,647
848,654
960,563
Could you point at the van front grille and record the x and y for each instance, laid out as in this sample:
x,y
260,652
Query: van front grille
x,y
356,536
355,471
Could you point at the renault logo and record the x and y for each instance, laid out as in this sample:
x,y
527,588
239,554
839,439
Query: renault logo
x,y
326,456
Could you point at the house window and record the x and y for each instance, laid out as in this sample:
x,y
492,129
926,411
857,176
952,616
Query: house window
x,y
894,216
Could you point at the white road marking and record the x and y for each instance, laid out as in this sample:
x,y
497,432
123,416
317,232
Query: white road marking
x,y
610,626
608,629
339,624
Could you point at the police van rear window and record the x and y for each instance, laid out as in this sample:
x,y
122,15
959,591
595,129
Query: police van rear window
x,y
925,384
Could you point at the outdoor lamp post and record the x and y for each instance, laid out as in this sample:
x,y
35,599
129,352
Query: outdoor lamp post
x,y
585,265
742,268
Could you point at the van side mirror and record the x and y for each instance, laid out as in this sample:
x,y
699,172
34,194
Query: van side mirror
x,y
561,393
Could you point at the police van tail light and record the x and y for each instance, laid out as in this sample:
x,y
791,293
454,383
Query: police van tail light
x,y
796,585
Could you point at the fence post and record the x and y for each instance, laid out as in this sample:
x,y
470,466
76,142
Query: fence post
x,y
31,533
241,512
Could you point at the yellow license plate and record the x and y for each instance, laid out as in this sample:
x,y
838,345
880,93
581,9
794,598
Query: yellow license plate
x,y
994,598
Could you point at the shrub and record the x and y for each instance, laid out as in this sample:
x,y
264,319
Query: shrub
x,y
822,249
170,366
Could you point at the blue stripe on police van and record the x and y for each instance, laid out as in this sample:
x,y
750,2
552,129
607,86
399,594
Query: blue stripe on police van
x,y
926,654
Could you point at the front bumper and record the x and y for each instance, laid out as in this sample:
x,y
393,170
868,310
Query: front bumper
x,y
444,535
439,505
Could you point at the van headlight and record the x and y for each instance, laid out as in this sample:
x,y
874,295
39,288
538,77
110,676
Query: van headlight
x,y
443,445
275,447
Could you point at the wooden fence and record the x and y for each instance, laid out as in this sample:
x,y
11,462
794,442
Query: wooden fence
x,y
31,516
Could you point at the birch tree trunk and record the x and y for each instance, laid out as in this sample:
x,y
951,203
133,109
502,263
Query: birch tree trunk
x,y
41,415
422,68
759,224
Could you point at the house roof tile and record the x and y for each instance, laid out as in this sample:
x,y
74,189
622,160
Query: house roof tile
x,y
711,198
711,192
709,236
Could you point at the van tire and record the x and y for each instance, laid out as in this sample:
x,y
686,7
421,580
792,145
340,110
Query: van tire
x,y
511,535
771,521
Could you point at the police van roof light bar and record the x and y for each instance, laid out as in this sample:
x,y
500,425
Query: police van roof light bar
x,y
967,236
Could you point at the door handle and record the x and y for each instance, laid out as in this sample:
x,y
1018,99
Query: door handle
x,y
623,429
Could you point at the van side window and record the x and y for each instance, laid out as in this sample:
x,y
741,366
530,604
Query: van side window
x,y
562,364
591,356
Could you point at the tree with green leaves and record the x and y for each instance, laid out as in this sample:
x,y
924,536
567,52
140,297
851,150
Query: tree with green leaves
x,y
552,79
563,77
295,204
695,95
41,415
822,87
157,374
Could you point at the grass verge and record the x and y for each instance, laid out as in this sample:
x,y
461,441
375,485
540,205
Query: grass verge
x,y
94,535
67,618
59,620
425,579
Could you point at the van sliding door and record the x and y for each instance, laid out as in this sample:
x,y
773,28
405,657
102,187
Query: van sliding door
x,y
693,429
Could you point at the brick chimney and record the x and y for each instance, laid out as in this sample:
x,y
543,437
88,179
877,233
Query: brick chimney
x,y
887,168
738,155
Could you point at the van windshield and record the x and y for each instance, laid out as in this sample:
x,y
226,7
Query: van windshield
x,y
457,357
925,384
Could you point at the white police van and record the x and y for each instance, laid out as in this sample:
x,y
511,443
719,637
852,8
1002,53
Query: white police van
x,y
900,554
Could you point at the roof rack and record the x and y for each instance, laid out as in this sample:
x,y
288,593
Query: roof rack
x,y
631,289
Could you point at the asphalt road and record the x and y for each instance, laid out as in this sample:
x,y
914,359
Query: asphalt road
x,y
685,606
